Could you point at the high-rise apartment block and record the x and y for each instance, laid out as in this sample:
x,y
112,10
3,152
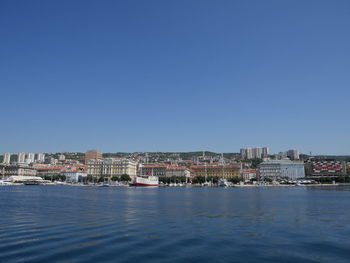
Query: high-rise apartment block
x,y
293,154
21,158
30,158
92,155
265,152
41,157
254,153
7,158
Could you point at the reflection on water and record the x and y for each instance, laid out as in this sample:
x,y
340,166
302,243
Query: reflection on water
x,y
90,224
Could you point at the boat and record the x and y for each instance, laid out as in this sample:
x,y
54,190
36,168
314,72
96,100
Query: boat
x,y
148,180
31,182
223,183
207,184
5,182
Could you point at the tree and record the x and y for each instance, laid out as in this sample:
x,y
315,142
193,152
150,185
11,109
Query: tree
x,y
198,179
235,180
256,162
213,179
115,178
100,180
125,178
268,180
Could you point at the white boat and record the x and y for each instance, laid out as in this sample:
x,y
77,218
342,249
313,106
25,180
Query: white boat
x,y
5,182
147,180
223,183
206,184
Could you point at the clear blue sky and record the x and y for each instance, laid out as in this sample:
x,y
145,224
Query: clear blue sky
x,y
175,75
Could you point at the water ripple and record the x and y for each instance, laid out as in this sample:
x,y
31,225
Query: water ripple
x,y
87,224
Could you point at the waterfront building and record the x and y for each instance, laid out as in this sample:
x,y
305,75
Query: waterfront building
x,y
74,176
248,174
163,170
111,167
281,169
228,171
92,155
325,168
21,158
153,169
7,158
17,170
48,171
173,170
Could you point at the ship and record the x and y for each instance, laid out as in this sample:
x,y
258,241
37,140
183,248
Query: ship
x,y
146,180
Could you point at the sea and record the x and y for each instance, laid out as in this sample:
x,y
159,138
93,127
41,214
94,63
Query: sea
x,y
174,224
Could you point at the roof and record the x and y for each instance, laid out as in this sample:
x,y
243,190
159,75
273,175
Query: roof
x,y
176,168
154,166
48,168
212,167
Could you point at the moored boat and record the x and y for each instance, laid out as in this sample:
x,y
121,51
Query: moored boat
x,y
223,183
148,180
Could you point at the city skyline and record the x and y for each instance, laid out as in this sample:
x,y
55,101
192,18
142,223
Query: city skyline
x,y
180,76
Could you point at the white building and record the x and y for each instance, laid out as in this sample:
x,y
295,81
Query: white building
x,y
17,170
254,153
21,158
7,158
279,169
74,176
265,152
257,152
30,158
111,167
53,161
248,174
293,154
41,157
61,157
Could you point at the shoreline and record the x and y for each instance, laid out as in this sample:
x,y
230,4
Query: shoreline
x,y
189,185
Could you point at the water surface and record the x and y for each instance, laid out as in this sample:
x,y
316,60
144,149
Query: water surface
x,y
98,224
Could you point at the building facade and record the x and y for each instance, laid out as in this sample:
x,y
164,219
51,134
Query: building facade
x,y
30,158
92,155
48,171
17,170
254,153
7,158
215,171
41,157
325,168
281,169
248,174
21,157
111,167
74,176
153,169
293,154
